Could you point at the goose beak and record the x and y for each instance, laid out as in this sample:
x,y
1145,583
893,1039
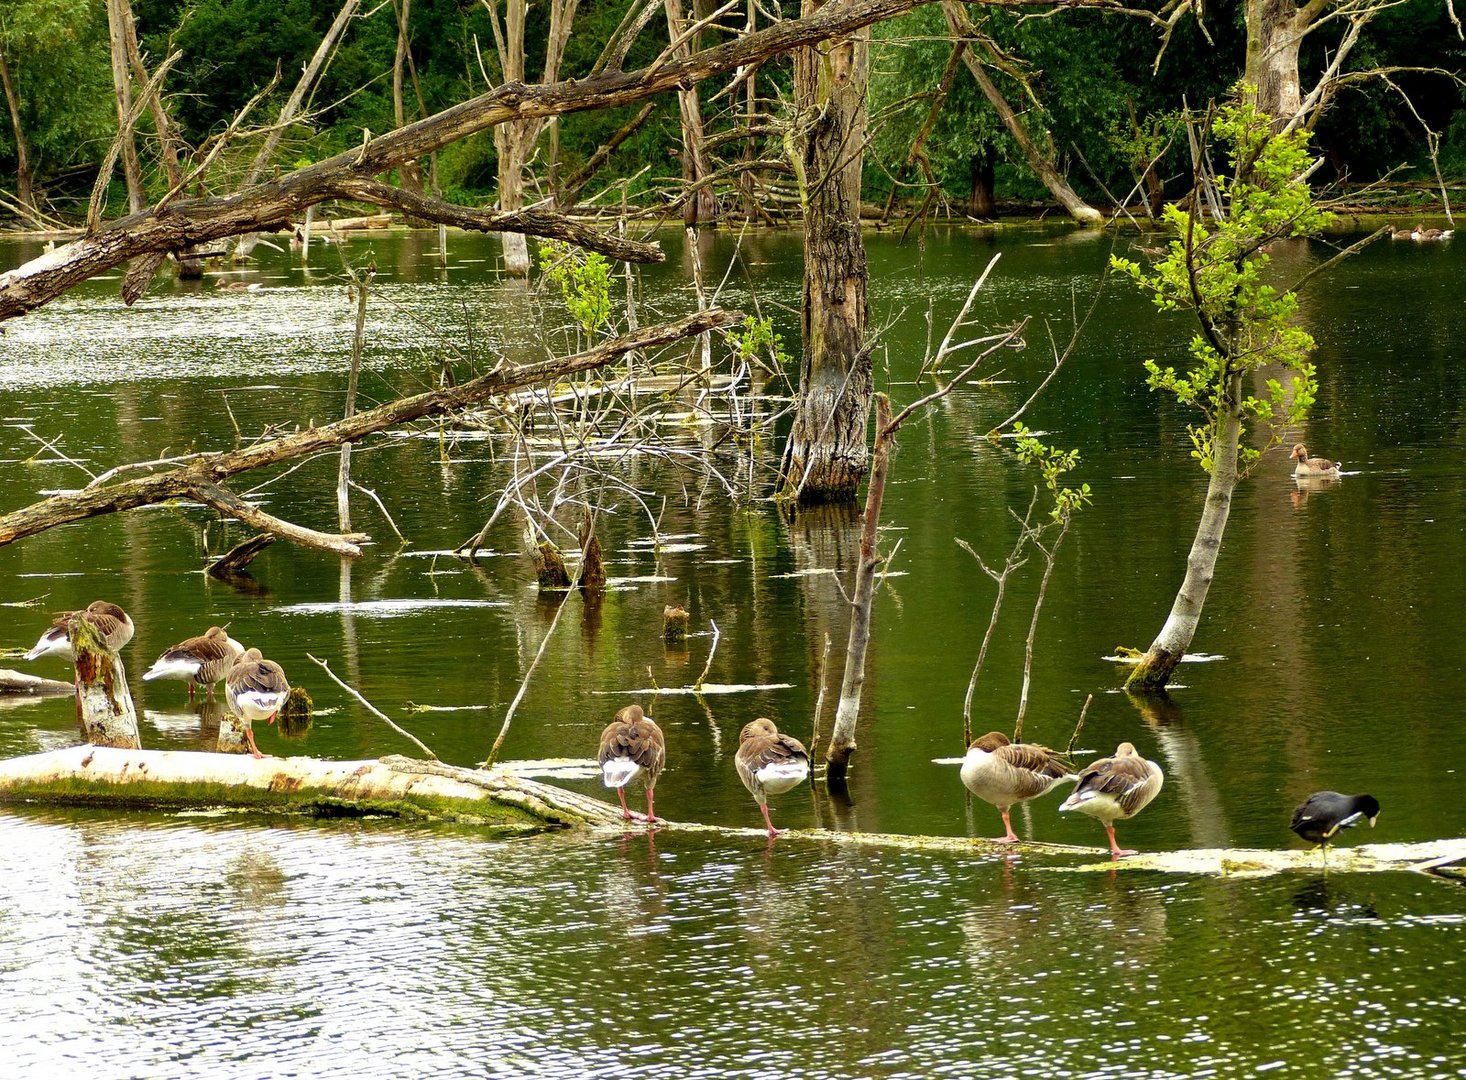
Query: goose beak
x,y
1373,820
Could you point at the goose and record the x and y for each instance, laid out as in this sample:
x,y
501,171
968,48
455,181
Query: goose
x,y
238,286
1115,788
769,763
201,661
1325,813
1004,773
632,744
107,620
1432,234
1311,466
256,689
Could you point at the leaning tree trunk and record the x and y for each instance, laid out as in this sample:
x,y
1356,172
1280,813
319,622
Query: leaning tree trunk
x,y
1275,29
1040,161
826,454
25,188
1170,645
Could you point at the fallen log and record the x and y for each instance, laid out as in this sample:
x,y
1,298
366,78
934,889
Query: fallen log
x,y
1433,856
392,787
19,682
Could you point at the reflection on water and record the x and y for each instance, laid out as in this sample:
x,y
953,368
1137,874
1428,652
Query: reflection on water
x,y
218,947
224,949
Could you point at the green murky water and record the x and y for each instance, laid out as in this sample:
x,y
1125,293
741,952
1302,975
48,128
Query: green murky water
x,y
173,947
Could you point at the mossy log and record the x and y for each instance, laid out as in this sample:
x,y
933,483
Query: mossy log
x,y
1433,856
391,787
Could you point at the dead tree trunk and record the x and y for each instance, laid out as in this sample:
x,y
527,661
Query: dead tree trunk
x,y
104,708
25,190
842,737
1275,31
826,454
122,89
409,174
700,205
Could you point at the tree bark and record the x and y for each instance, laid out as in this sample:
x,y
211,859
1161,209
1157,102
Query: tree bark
x,y
700,205
24,182
826,454
1155,669
201,478
1275,31
1040,161
104,708
122,89
982,202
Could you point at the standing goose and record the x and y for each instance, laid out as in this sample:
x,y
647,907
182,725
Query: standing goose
x,y
1004,773
201,661
632,744
110,622
256,689
769,764
1312,466
1324,813
1115,788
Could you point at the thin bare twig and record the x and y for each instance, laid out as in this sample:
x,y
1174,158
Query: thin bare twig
x,y
373,709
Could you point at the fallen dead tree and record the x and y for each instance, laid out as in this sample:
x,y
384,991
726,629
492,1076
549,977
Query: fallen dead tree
x,y
201,476
392,787
1430,856
180,224
19,682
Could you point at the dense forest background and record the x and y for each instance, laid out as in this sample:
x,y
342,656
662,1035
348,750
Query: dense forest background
x,y
1092,87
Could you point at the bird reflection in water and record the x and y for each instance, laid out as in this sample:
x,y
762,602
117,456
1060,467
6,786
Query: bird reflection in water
x,y
1322,898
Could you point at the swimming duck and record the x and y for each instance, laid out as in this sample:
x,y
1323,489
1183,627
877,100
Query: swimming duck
x,y
632,744
769,763
1004,773
110,622
256,689
237,286
201,661
1324,813
1115,788
1312,466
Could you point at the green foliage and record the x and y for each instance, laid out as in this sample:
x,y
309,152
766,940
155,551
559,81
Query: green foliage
x,y
1052,464
584,279
755,338
1218,271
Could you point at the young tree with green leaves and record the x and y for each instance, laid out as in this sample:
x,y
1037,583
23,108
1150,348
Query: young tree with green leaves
x,y
1216,268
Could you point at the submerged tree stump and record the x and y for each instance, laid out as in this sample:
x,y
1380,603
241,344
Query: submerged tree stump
x,y
104,707
674,624
549,567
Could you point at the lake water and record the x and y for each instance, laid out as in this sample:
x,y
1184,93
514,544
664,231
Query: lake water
x,y
186,945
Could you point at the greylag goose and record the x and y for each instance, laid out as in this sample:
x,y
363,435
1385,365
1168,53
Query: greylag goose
x,y
1324,813
1311,466
110,623
1004,773
769,763
632,745
200,661
1115,788
256,689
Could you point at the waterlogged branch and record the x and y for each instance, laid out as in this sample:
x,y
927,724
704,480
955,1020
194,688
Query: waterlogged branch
x,y
205,474
378,713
